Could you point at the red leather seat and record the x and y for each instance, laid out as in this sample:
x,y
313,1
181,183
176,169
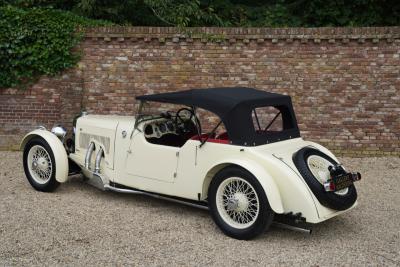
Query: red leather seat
x,y
220,139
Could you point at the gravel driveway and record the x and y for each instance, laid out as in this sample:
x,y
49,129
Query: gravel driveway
x,y
80,225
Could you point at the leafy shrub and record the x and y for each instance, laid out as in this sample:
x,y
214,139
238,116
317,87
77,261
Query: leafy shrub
x,y
37,41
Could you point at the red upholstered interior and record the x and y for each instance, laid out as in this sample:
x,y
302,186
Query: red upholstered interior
x,y
220,139
223,136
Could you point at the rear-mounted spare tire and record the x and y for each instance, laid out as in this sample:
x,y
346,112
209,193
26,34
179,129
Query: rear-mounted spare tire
x,y
313,166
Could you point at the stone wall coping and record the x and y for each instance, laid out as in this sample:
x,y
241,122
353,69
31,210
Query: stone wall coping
x,y
259,34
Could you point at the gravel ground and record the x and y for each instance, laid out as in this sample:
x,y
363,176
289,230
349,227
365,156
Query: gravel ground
x,y
80,225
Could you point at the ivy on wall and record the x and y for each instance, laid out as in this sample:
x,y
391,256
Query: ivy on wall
x,y
37,41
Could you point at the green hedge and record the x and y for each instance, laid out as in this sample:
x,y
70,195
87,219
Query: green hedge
x,y
37,41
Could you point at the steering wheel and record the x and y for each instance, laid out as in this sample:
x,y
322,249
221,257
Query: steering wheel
x,y
166,115
186,124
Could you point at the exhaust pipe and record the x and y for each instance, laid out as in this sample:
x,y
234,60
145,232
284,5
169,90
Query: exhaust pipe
x,y
89,155
292,227
98,160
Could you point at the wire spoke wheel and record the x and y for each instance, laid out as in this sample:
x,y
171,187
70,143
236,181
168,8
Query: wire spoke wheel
x,y
39,164
237,202
319,168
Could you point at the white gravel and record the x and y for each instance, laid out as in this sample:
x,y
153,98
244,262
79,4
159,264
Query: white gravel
x,y
80,225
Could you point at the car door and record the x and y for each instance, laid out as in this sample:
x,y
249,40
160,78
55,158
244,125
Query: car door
x,y
151,161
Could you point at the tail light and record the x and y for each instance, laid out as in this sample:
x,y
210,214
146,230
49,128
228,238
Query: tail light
x,y
329,186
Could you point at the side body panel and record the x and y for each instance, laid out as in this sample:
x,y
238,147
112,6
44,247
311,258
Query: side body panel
x,y
272,164
60,155
193,165
150,160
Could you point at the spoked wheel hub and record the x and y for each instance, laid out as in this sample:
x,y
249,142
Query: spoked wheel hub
x,y
40,165
237,202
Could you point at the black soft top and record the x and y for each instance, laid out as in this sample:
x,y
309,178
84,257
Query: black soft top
x,y
234,106
218,100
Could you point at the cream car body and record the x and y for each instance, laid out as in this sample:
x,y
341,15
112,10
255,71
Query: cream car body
x,y
113,150
186,171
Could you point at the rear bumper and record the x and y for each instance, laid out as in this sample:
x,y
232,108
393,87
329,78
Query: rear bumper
x,y
326,213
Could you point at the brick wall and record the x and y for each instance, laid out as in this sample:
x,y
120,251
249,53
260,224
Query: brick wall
x,y
345,82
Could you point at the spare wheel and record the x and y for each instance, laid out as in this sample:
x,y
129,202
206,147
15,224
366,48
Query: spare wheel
x,y
313,166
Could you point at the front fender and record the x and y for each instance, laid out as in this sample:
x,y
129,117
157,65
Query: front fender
x,y
265,179
60,155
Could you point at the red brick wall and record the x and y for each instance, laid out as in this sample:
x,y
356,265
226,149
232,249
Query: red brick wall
x,y
345,82
53,100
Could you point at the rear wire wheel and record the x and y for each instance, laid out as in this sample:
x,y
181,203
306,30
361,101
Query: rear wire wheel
x,y
238,203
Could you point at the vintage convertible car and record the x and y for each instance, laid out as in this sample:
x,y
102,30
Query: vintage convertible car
x,y
249,167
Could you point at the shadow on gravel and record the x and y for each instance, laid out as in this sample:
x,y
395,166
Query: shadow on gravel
x,y
78,184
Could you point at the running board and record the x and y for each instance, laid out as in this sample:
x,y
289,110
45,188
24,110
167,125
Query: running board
x,y
203,205
196,204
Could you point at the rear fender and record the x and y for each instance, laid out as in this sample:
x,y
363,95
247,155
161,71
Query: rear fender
x,y
264,178
323,150
60,155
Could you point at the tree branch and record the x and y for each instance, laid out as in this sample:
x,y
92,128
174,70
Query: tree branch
x,y
161,18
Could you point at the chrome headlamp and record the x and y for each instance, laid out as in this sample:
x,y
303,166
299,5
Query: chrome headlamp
x,y
59,131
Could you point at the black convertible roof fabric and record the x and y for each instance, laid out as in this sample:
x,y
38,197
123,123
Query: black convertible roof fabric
x,y
234,105
219,100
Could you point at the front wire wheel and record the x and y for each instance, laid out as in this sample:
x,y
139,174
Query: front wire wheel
x,y
238,203
39,165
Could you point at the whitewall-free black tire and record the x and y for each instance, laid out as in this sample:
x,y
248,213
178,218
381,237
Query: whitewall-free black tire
x,y
238,203
39,165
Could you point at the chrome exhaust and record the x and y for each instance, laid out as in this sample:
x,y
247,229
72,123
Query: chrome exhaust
x,y
292,221
292,227
98,160
89,155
